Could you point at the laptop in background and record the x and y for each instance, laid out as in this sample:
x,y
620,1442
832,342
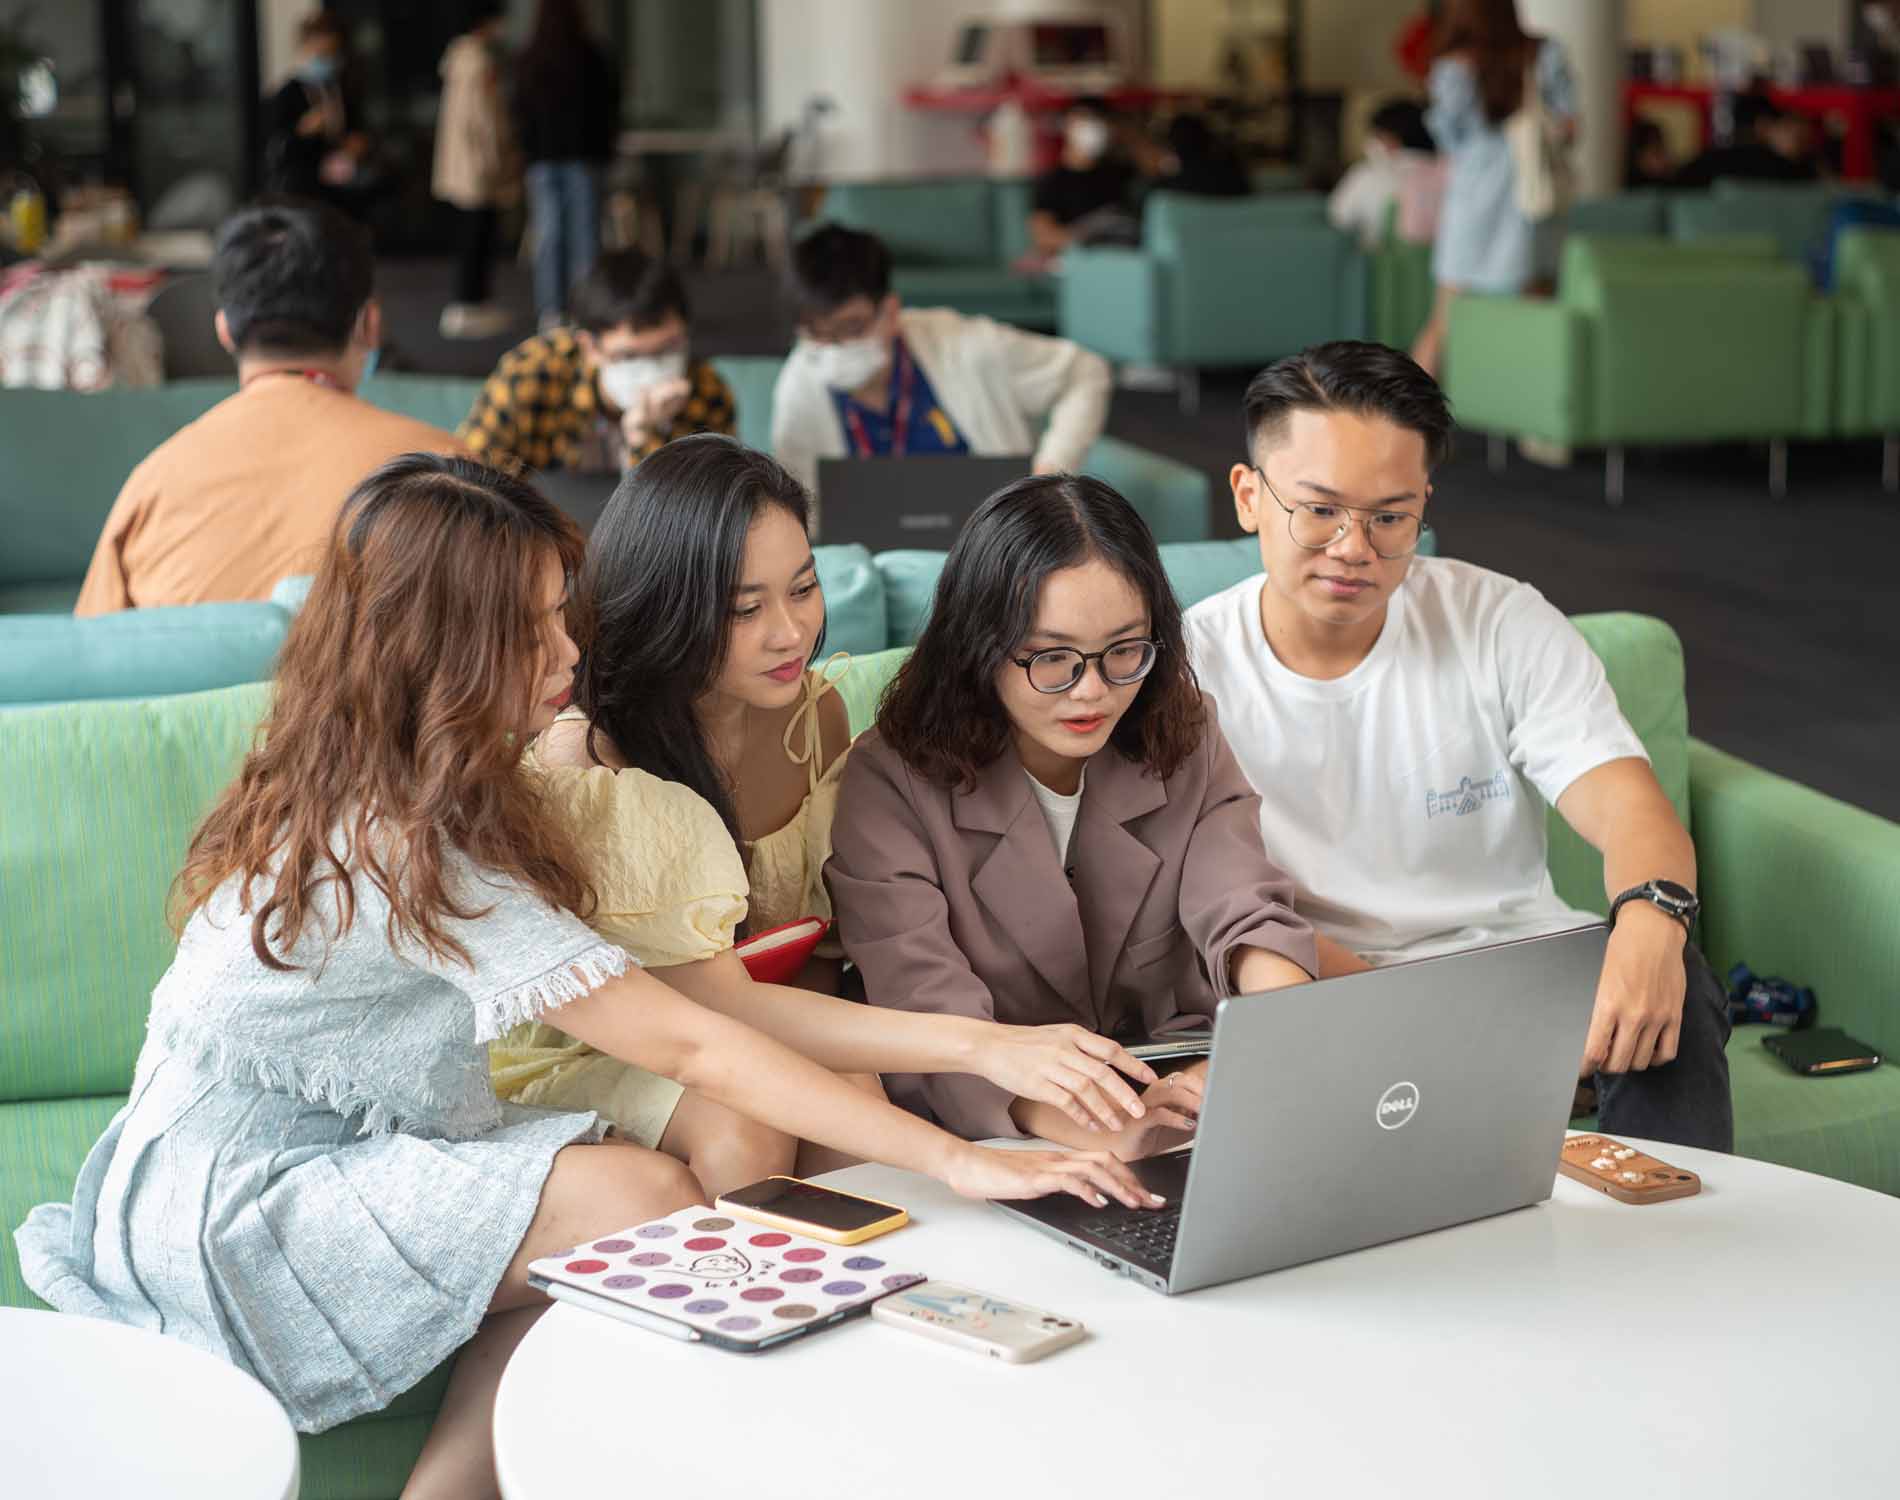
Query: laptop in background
x,y
1358,1110
582,495
885,504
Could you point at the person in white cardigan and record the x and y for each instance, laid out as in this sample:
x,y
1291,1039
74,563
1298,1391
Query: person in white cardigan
x,y
868,377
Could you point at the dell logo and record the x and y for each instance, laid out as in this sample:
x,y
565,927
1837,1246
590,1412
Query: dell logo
x,y
1397,1105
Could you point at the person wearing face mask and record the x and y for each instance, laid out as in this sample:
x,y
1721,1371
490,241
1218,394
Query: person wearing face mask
x,y
1400,170
608,390
1089,181
245,496
310,150
1045,823
870,378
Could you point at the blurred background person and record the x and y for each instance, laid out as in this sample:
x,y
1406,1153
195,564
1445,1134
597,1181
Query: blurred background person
x,y
1768,145
474,166
1398,170
567,116
1486,62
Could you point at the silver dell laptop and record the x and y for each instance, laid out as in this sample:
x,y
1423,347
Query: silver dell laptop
x,y
1363,1109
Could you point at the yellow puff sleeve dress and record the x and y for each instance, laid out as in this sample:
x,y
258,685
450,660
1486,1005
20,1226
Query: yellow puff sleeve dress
x,y
671,889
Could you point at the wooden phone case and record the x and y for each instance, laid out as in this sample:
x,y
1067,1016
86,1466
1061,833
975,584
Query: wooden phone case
x,y
1655,1181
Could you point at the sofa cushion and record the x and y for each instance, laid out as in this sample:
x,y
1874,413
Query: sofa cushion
x,y
42,1144
1846,1127
862,688
100,800
933,221
67,457
137,653
910,586
854,599
1642,657
55,598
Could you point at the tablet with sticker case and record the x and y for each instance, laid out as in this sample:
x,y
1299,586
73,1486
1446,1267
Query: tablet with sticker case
x,y
704,1277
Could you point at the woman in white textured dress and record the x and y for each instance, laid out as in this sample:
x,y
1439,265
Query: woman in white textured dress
x,y
1484,62
312,1176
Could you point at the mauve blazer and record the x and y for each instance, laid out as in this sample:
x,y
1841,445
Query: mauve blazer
x,y
954,903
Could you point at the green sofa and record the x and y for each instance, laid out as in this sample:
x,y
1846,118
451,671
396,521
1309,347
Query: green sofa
x,y
1867,296
1649,342
1217,282
98,799
953,242
69,453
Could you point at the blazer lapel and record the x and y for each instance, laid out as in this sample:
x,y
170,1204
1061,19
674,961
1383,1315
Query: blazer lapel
x,y
1120,867
1021,883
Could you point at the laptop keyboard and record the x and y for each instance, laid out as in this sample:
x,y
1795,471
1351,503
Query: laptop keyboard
x,y
1147,1235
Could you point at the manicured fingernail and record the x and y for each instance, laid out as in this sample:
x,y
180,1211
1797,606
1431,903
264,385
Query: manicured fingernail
x,y
1156,1199
1137,1109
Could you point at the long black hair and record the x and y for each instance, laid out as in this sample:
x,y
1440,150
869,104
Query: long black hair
x,y
657,591
942,714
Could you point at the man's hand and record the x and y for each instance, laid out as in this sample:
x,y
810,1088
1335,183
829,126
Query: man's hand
x,y
653,410
1638,1017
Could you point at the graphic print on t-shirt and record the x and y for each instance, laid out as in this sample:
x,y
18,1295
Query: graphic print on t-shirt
x,y
1468,796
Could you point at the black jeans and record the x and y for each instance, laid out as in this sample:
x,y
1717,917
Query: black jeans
x,y
1684,1102
475,250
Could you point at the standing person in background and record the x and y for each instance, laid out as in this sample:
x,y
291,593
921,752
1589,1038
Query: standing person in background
x,y
309,149
1485,63
567,114
474,166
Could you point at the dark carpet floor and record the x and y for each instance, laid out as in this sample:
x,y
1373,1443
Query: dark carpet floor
x,y
1786,608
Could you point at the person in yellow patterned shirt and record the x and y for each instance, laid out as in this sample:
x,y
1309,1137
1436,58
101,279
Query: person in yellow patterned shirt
x,y
607,390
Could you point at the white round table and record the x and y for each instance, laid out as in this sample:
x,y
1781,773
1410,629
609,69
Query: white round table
x,y
95,1408
1739,1343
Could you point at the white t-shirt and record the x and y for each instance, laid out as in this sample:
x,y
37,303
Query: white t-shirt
x,y
1059,813
1407,799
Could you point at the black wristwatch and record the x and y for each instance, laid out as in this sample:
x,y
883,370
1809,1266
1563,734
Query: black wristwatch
x,y
1666,896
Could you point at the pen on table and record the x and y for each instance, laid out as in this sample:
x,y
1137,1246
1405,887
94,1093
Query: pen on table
x,y
621,1311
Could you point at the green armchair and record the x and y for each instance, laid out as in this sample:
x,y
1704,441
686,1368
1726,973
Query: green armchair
x,y
1217,282
953,241
1867,288
1650,343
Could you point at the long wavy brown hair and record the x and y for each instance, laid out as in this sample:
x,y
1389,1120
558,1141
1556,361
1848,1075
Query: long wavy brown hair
x,y
1489,33
394,735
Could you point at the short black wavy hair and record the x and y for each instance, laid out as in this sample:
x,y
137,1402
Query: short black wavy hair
x,y
941,713
1350,375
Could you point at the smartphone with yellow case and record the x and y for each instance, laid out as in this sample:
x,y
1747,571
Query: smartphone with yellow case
x,y
821,1212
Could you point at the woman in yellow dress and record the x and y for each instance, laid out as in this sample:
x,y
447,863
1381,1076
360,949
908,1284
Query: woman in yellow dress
x,y
698,772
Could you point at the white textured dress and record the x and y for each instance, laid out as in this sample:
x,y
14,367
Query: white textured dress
x,y
312,1176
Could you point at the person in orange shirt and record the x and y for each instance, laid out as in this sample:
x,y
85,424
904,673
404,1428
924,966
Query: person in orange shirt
x,y
246,495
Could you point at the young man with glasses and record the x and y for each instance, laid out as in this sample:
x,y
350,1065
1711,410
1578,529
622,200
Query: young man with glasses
x,y
1406,720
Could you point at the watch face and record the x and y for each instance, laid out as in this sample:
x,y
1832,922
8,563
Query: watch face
x,y
1681,895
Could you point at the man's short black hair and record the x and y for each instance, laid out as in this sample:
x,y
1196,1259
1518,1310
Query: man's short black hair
x,y
291,277
832,265
627,288
1405,120
1369,380
1752,110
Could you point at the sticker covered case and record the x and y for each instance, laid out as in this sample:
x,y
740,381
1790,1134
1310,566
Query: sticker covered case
x,y
732,1282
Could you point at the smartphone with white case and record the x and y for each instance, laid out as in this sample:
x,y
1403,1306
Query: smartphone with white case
x,y
973,1320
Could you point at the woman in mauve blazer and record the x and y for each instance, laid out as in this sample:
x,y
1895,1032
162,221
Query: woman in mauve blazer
x,y
1046,825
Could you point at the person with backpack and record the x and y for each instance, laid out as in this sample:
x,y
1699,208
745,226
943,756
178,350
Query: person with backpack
x,y
1503,110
